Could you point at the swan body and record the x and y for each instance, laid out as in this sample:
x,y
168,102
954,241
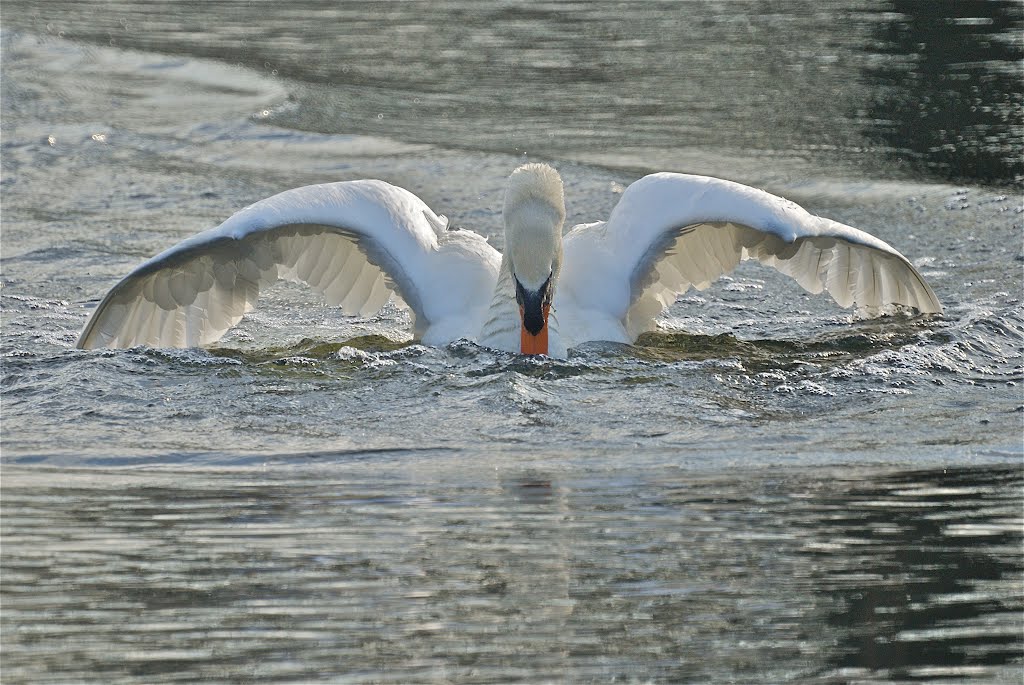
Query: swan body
x,y
361,243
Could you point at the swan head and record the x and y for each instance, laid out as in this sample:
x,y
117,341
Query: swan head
x,y
534,212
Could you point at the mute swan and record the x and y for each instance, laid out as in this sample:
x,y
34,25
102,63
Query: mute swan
x,y
360,243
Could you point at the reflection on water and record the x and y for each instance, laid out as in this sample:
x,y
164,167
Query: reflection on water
x,y
949,93
418,572
734,88
932,552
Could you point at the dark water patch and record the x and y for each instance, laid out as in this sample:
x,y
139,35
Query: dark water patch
x,y
948,91
921,606
823,349
312,348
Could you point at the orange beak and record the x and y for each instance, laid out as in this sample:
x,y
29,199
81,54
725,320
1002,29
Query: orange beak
x,y
535,344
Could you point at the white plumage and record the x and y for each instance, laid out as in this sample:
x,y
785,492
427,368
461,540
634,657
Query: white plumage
x,y
359,243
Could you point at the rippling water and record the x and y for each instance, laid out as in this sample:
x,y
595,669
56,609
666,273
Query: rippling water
x,y
767,489
434,569
741,87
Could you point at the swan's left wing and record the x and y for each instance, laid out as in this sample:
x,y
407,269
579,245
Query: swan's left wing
x,y
672,231
355,242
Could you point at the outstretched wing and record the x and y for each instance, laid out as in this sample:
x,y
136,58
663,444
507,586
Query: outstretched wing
x,y
672,231
356,242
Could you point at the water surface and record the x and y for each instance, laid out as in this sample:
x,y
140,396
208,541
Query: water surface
x,y
766,489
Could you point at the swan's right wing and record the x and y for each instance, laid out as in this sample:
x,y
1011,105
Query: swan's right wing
x,y
356,242
673,231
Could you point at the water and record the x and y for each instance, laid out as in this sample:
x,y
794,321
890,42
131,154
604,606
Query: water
x,y
443,571
766,490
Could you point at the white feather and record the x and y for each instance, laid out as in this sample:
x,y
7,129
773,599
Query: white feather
x,y
358,242
700,228
306,233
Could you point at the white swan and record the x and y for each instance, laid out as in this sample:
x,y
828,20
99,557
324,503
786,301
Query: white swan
x,y
360,243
